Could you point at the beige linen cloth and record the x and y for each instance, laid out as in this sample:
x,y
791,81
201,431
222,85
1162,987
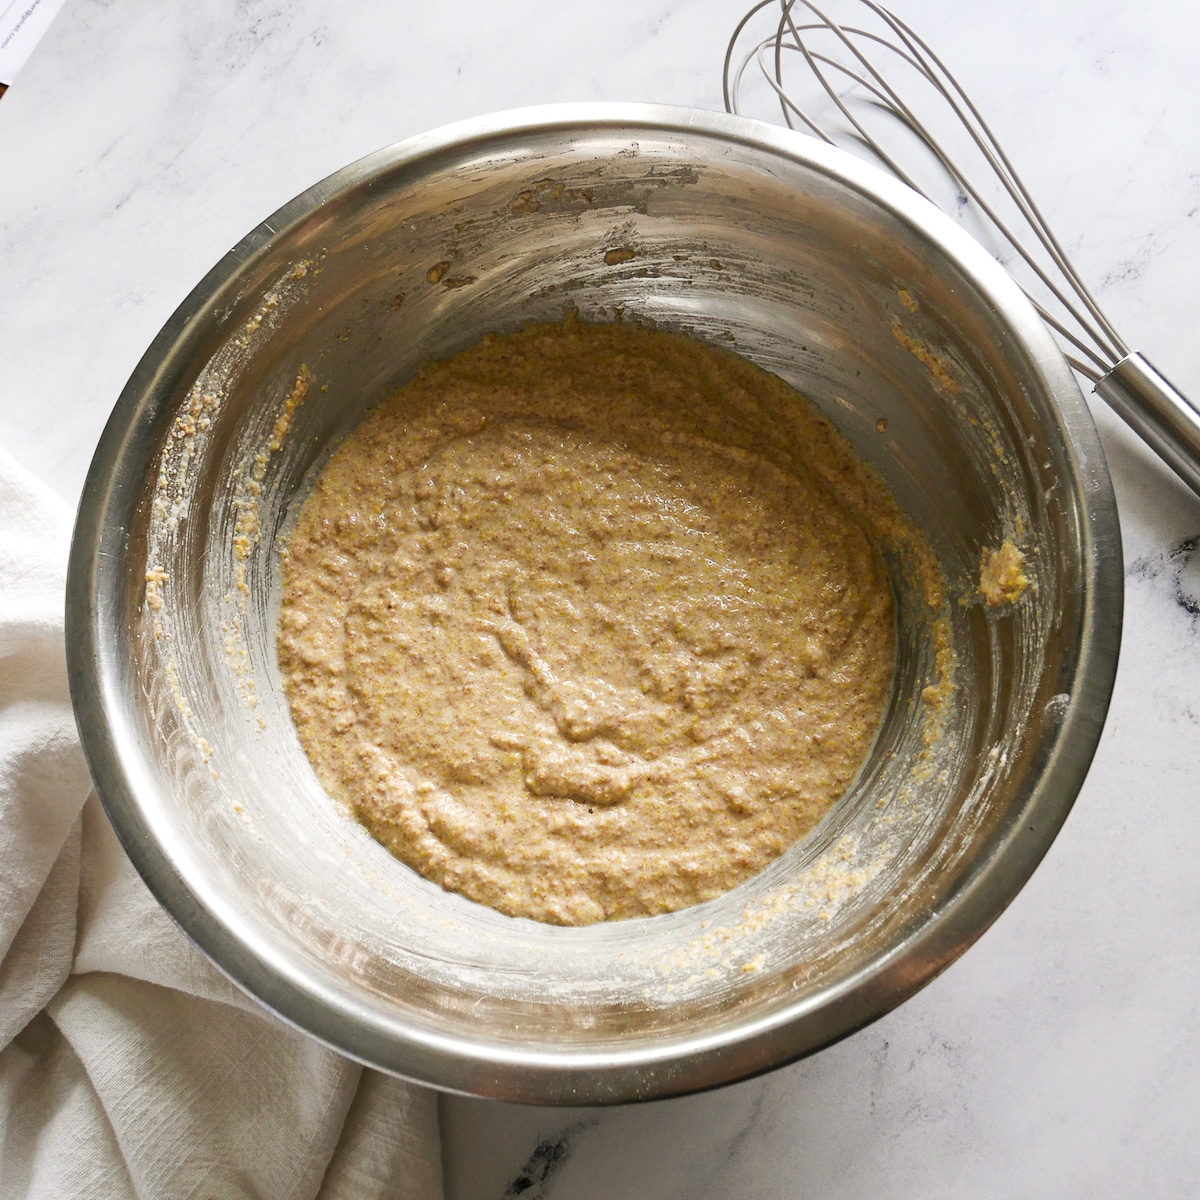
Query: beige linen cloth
x,y
129,1066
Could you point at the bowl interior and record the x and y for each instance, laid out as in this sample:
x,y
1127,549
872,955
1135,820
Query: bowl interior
x,y
787,254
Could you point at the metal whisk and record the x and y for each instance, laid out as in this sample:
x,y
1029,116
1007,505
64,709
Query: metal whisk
x,y
858,69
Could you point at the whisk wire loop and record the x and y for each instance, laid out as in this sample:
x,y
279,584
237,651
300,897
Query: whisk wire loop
x,y
1032,216
847,69
1094,336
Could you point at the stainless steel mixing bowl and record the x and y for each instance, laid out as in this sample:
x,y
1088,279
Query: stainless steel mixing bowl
x,y
797,256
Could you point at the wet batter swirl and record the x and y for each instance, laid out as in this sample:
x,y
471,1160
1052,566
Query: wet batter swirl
x,y
580,629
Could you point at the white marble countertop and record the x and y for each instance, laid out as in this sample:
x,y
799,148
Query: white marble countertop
x,y
1060,1056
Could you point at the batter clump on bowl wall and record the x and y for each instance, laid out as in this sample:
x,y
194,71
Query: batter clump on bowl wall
x,y
581,629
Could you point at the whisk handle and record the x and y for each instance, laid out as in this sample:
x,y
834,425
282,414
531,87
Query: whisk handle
x,y
1164,418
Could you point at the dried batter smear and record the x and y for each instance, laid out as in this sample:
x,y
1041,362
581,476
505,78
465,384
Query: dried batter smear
x,y
580,630
1002,578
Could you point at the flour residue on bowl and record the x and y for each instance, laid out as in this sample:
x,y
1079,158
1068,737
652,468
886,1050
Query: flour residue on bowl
x,y
575,637
732,947
174,489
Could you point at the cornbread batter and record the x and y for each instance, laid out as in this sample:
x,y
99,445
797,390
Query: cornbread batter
x,y
581,630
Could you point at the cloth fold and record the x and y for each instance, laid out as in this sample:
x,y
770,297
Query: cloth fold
x,y
129,1066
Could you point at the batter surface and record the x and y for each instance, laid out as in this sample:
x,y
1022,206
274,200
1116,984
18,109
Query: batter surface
x,y
581,630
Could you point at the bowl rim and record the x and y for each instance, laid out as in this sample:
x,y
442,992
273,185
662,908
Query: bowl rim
x,y
651,1068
